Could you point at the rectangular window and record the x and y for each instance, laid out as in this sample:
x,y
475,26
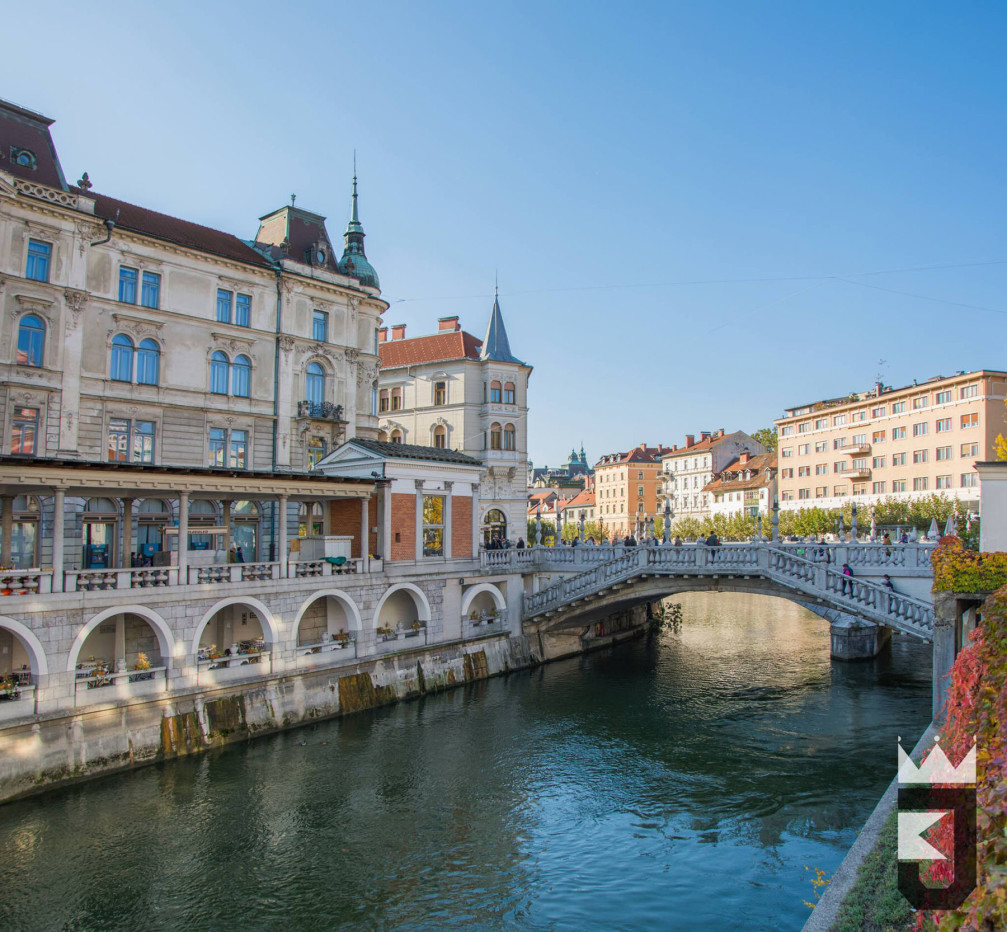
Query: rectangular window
x,y
878,411
803,449
878,488
921,456
838,443
130,442
821,446
787,496
943,425
396,399
859,415
508,395
24,432
878,462
320,326
786,452
433,525
898,459
898,485
804,427
921,484
943,482
878,436
804,493
970,450
127,285
859,439
821,491
944,398
383,401
37,266
966,391
243,310
970,480
118,440
440,393
839,466
787,430
143,442
822,469
838,490
821,423
238,456
839,420
224,300
217,443
804,470
921,430
495,394
316,450
898,433
970,420
920,402
898,407
150,291
787,472
860,462
944,453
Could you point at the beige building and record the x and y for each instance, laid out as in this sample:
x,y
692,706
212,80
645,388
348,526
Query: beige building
x,y
627,489
454,391
747,486
908,442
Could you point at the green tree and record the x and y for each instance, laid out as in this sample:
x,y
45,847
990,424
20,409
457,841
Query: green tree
x,y
767,437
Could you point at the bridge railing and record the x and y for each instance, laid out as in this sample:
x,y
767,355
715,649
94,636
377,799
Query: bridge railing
x,y
863,554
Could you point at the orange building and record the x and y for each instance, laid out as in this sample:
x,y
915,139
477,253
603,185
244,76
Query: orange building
x,y
627,488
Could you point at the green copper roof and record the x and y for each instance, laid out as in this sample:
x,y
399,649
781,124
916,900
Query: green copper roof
x,y
354,261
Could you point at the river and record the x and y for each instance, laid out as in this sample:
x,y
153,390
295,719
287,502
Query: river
x,y
682,781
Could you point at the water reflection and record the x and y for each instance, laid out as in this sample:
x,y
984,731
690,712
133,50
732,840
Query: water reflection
x,y
678,782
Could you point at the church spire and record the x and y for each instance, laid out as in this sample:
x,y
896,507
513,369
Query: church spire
x,y
495,344
354,261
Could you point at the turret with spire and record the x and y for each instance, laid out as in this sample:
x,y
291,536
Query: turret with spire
x,y
495,343
354,261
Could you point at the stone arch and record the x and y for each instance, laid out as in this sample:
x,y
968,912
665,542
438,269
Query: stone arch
x,y
349,606
493,591
165,638
36,653
419,600
270,629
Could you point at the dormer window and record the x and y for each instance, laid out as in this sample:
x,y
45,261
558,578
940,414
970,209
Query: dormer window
x,y
23,157
319,253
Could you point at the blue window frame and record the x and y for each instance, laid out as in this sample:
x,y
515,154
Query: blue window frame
x,y
314,383
37,266
150,294
320,326
243,310
218,440
148,363
219,371
224,300
143,442
127,285
241,376
30,341
238,454
121,369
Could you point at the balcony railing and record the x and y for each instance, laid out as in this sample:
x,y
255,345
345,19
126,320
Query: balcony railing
x,y
858,449
320,410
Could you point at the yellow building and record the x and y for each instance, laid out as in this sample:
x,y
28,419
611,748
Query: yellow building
x,y
907,443
627,487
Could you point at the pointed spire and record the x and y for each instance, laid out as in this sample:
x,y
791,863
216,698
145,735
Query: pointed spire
x,y
354,261
495,343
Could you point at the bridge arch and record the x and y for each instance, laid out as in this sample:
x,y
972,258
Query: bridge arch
x,y
493,591
395,598
33,646
162,631
268,624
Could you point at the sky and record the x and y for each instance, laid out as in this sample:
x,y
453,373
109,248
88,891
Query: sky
x,y
700,213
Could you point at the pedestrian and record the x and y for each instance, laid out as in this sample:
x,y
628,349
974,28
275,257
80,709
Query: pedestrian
x,y
887,583
239,557
847,578
904,539
678,541
712,540
520,543
231,558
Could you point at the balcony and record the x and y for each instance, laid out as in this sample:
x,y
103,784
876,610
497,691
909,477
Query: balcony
x,y
857,473
320,411
858,449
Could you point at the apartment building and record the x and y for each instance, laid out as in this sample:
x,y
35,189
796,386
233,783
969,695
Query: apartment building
x,y
747,486
908,442
687,470
451,390
627,488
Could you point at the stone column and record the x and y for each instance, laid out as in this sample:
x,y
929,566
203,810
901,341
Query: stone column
x,y
183,538
228,509
7,529
945,612
127,532
58,531
120,643
448,486
282,536
365,534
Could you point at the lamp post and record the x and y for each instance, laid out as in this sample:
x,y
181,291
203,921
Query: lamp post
x,y
667,521
776,519
538,524
583,519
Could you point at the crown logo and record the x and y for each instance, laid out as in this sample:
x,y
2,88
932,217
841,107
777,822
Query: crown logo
x,y
937,768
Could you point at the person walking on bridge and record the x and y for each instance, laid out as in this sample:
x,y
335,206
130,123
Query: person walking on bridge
x,y
847,578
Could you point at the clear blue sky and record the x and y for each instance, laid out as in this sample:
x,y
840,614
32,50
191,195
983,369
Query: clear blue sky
x,y
683,199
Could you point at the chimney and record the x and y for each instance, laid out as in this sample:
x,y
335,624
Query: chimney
x,y
720,433
643,446
704,435
382,334
448,324
398,331
690,439
744,458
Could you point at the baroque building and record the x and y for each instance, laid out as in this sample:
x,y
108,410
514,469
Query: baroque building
x,y
452,391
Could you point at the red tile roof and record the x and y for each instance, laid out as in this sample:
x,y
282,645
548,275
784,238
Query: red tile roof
x,y
730,479
438,346
581,500
173,230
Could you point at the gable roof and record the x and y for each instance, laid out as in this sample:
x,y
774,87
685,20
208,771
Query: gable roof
x,y
731,478
580,500
172,230
455,344
412,451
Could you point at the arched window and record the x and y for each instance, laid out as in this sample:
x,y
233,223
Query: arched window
x,y
494,527
30,341
383,400
241,376
495,393
220,368
508,438
314,383
495,437
396,399
122,358
509,397
440,437
148,363
396,436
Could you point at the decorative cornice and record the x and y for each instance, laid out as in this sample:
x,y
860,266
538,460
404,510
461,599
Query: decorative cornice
x,y
230,340
286,343
75,301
